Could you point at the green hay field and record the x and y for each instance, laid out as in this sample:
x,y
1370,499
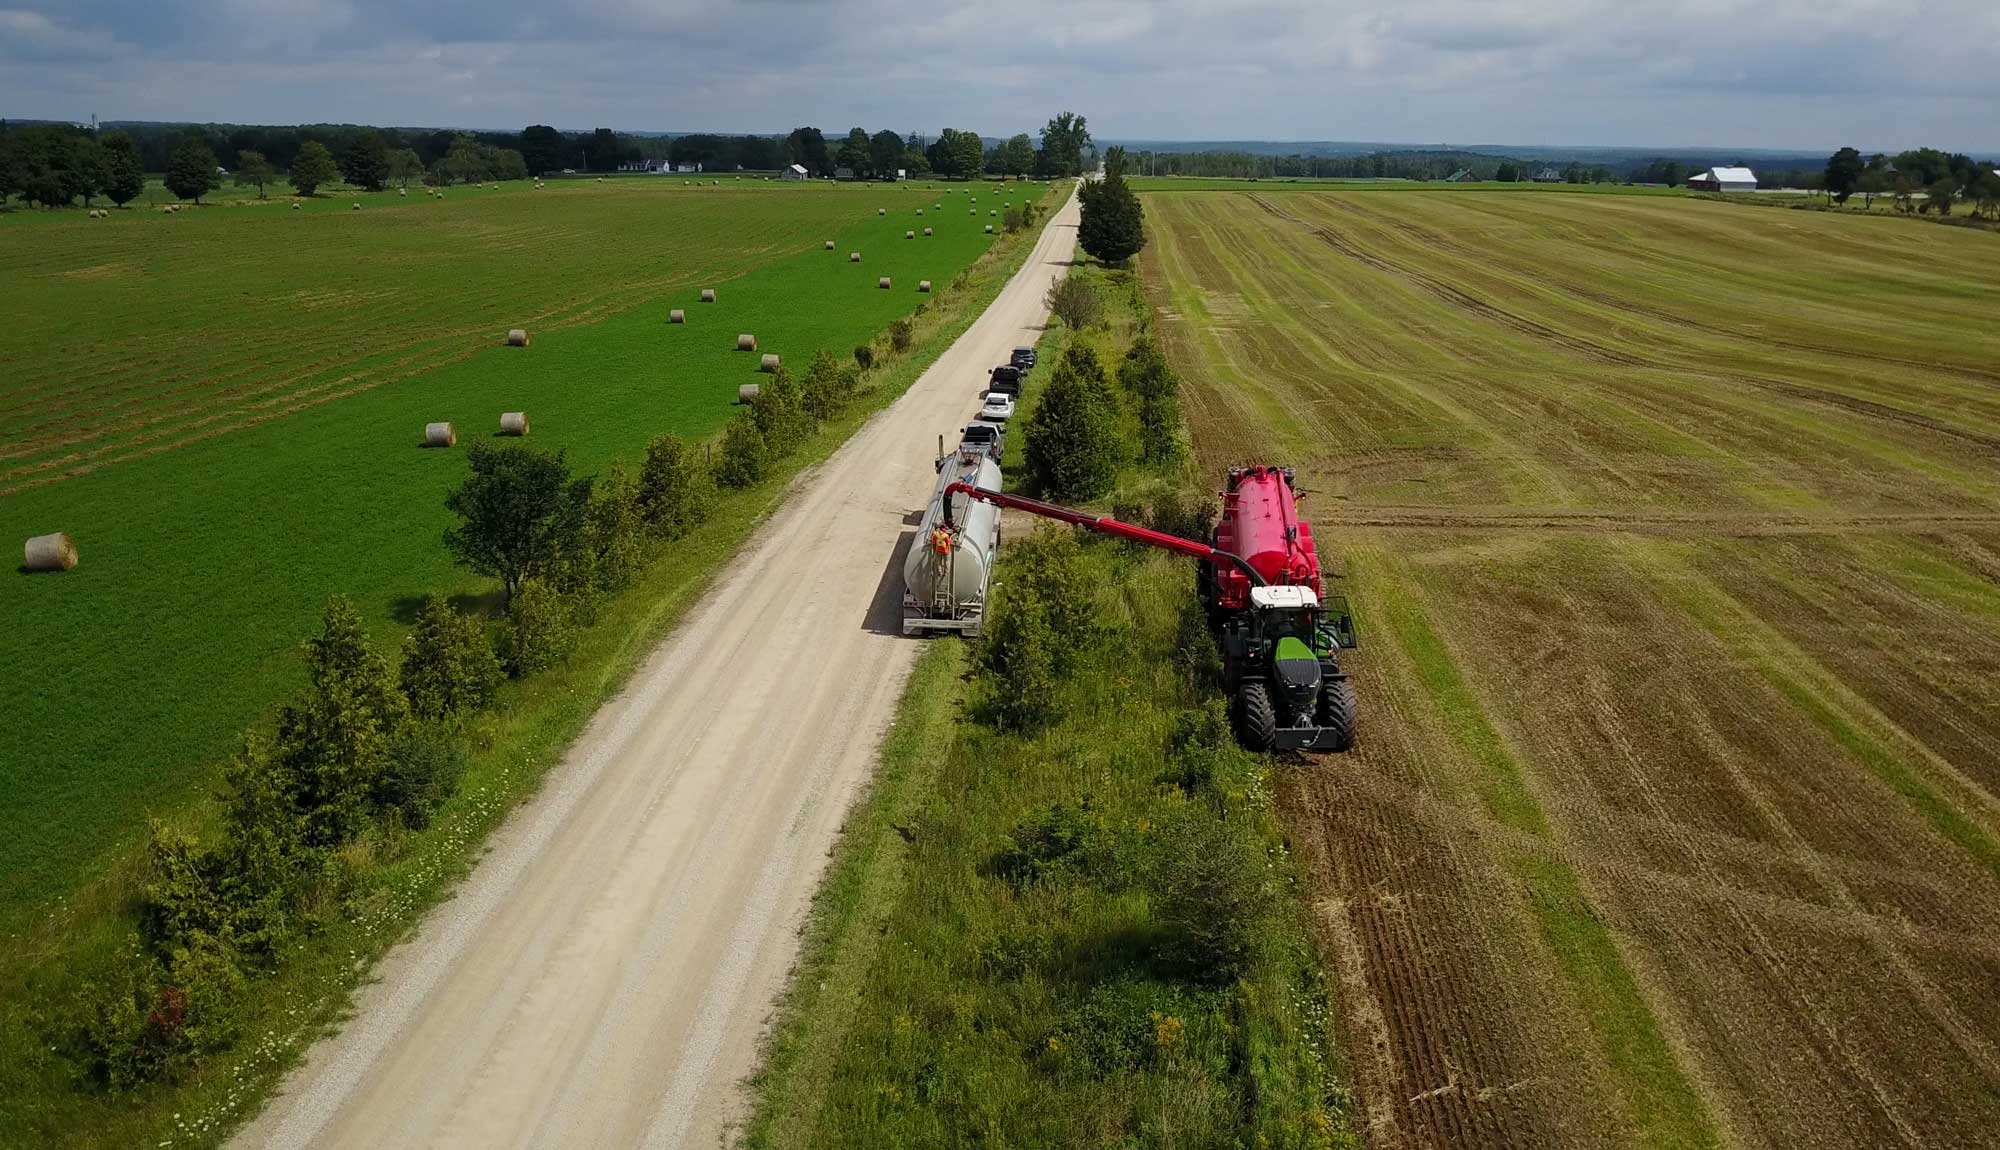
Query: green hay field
x,y
1673,529
223,408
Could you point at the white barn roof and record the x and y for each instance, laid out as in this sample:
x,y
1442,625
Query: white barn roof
x,y
1733,175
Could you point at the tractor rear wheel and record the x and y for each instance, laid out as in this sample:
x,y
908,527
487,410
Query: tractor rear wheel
x,y
1336,712
1256,717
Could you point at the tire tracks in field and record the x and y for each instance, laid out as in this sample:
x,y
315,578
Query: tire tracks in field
x,y
1700,524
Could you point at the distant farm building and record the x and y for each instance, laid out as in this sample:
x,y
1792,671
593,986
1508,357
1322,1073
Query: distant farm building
x,y
843,173
1548,176
1462,176
1724,180
640,166
794,172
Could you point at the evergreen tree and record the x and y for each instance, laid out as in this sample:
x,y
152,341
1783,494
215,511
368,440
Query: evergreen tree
x,y
672,491
1072,451
312,168
191,172
333,742
124,176
1113,227
449,668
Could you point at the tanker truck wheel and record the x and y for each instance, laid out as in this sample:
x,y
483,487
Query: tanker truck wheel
x,y
1336,714
1256,719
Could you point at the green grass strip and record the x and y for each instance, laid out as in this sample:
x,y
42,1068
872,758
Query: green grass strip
x,y
1751,642
1664,1105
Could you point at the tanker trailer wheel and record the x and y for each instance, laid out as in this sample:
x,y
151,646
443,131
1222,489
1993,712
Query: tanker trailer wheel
x,y
1336,713
1256,719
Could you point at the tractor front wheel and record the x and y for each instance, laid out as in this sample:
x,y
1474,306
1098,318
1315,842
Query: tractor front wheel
x,y
1256,719
1336,713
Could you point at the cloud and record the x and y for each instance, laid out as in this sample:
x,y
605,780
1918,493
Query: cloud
x,y
1742,72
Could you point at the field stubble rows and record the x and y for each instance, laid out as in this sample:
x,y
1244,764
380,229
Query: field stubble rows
x,y
1678,527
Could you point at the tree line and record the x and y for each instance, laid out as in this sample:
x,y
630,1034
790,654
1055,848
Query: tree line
x,y
1942,178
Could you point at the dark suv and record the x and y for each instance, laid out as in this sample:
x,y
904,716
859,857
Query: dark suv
x,y
1007,379
1024,358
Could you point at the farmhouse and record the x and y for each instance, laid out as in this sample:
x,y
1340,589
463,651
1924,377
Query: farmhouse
x,y
843,173
1724,180
1548,176
1462,176
794,172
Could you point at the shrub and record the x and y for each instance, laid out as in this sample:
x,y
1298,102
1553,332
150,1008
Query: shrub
x,y
1019,653
1211,897
540,630
449,668
864,356
1198,747
146,1018
902,333
615,530
1049,567
1187,514
742,462
828,386
781,415
1073,299
425,763
1062,840
673,492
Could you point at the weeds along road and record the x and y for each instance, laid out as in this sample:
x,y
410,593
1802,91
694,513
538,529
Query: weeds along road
x,y
602,977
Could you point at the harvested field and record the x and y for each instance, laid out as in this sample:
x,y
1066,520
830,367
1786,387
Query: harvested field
x,y
1673,529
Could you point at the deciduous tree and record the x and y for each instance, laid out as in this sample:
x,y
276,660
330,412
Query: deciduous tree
x,y
254,171
191,173
1113,227
520,513
1063,141
365,162
1843,174
312,168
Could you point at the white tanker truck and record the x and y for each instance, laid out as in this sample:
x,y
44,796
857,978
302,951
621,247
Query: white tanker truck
x,y
948,572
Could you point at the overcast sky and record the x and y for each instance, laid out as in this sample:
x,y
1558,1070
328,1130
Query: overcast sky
x,y
1771,73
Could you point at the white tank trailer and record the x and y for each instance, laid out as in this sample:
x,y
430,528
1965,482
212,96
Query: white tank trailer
x,y
946,578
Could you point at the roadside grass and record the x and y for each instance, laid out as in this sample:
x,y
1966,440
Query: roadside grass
x,y
203,566
401,876
937,1001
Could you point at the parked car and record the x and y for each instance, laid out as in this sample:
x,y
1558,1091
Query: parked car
x,y
1024,358
1007,379
999,407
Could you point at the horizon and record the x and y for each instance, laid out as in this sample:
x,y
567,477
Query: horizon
x,y
1801,77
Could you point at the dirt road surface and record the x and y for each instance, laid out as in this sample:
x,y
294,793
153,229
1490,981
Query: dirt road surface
x,y
603,976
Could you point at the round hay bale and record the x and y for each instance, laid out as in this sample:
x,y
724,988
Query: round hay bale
x,y
992,212
854,257
927,231
746,342
769,364
989,229
829,245
708,295
513,423
881,211
439,435
920,211
517,337
748,393
357,205
295,207
909,235
972,211
55,552
883,283
923,285
402,191
677,316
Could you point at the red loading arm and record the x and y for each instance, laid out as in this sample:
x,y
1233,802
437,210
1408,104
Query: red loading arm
x,y
1103,526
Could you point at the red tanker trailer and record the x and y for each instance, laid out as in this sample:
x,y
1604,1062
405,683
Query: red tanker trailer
x,y
1279,634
